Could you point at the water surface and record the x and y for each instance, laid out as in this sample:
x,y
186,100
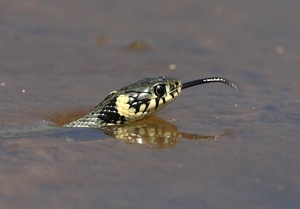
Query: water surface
x,y
60,57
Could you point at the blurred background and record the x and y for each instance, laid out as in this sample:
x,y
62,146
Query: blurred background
x,y
64,56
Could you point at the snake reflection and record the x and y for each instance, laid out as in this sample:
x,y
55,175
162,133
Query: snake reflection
x,y
154,131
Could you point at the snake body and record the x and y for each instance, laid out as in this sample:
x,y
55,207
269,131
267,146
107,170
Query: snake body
x,y
138,100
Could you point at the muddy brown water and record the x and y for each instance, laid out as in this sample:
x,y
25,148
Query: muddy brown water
x,y
61,58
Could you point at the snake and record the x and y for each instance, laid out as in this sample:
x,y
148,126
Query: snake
x,y
139,100
118,114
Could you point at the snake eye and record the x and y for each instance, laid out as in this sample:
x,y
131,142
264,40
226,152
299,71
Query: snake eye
x,y
160,90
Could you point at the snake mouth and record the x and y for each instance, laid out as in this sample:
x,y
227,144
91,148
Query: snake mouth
x,y
175,92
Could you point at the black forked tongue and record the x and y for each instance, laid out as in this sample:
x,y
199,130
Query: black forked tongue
x,y
209,80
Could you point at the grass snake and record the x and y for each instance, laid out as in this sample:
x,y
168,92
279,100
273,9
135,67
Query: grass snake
x,y
138,100
117,113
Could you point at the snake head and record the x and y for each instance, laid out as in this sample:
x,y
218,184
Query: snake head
x,y
146,96
132,102
138,100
